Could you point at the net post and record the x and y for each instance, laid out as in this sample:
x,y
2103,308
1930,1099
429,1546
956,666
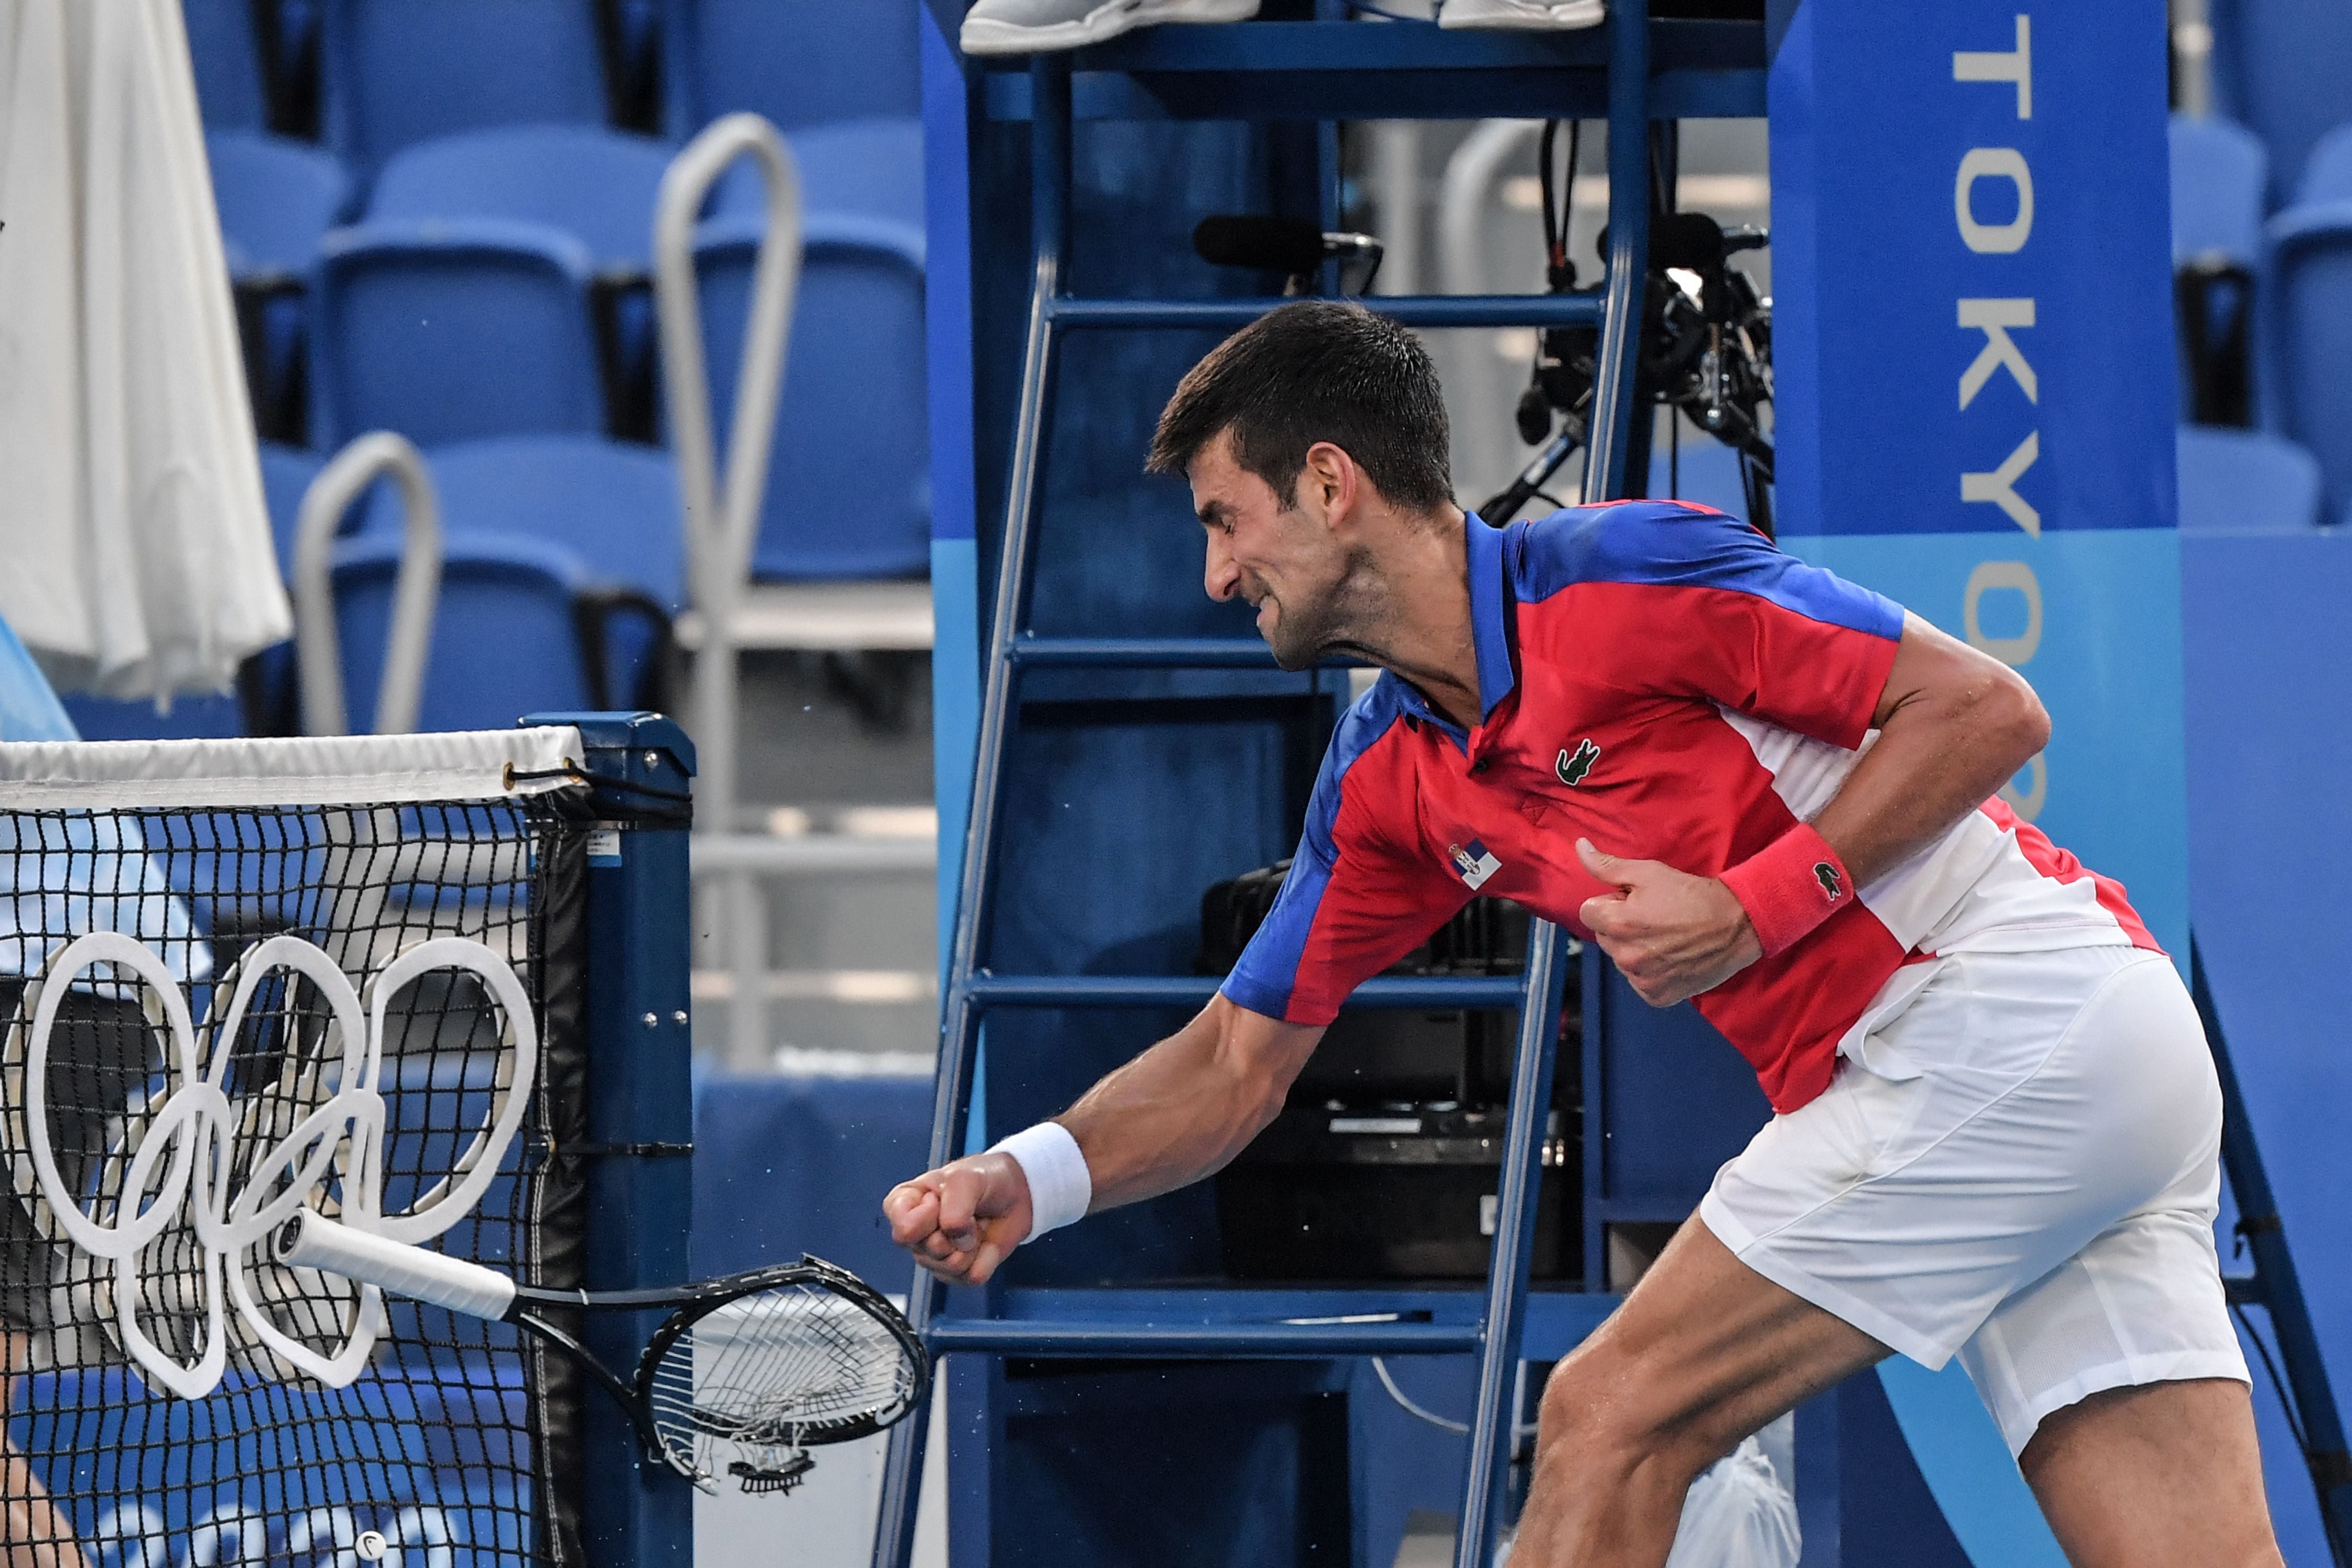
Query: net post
x,y
634,1512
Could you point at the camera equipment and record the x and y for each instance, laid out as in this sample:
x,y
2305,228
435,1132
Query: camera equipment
x,y
1707,342
1385,1162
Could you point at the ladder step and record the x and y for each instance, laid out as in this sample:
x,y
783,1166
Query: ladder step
x,y
1141,653
1412,309
1193,991
1113,1337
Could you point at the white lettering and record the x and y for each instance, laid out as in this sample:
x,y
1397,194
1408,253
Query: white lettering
x,y
1993,163
2003,576
2000,487
2012,66
1993,318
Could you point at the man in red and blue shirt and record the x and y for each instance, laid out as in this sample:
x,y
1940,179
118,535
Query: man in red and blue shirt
x,y
1770,792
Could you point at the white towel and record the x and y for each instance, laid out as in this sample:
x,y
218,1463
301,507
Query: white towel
x,y
135,553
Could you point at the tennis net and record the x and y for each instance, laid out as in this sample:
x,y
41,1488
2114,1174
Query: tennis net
x,y
237,977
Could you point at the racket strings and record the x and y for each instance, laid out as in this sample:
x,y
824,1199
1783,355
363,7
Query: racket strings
x,y
786,1366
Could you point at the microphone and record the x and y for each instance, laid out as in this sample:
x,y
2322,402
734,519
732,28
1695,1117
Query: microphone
x,y
1286,245
1693,241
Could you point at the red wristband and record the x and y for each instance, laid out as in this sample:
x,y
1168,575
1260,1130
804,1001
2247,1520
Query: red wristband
x,y
1790,886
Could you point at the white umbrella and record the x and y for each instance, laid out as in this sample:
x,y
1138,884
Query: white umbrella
x,y
135,555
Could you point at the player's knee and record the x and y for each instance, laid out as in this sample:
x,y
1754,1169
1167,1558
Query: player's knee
x,y
1600,1420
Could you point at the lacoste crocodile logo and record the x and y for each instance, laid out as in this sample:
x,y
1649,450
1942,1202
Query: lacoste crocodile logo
x,y
1827,876
1572,769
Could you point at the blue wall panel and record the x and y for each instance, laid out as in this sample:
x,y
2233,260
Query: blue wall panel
x,y
1974,415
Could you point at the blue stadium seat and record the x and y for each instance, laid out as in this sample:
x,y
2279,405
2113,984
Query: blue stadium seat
x,y
597,185
2327,172
286,476
613,505
277,197
799,62
448,330
2304,311
2218,174
2219,171
1704,471
848,487
2245,482
869,166
2278,69
232,90
504,639
394,72
211,716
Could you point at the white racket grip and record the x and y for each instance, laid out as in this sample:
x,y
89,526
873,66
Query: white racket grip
x,y
308,1241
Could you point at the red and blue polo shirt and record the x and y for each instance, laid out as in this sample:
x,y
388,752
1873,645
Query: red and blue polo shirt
x,y
1659,678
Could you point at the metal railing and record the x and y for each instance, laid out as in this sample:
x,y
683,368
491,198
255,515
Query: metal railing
x,y
318,646
722,514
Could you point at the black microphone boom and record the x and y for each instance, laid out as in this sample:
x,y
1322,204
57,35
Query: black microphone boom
x,y
1286,245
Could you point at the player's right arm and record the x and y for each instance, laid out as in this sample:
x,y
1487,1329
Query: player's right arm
x,y
1177,1112
1358,898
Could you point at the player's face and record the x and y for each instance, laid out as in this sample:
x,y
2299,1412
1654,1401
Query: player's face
x,y
1283,559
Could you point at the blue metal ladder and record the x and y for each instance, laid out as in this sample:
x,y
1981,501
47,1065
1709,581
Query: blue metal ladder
x,y
1518,67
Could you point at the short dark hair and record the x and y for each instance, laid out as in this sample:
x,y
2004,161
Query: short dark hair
x,y
1319,370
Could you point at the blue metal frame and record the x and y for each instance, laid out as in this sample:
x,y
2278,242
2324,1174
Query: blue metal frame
x,y
1311,70
636,1512
2276,1286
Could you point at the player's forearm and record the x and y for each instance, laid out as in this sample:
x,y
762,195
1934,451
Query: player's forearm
x,y
1955,727
1183,1109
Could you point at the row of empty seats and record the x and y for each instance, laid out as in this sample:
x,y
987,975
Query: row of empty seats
x,y
2265,298
376,76
559,575
439,217
497,283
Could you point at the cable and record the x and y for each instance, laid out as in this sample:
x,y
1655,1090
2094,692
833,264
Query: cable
x,y
1459,1428
1559,193
2278,1384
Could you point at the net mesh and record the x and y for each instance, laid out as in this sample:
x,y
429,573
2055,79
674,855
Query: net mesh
x,y
433,1450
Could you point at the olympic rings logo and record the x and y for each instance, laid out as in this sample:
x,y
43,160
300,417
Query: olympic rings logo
x,y
171,1172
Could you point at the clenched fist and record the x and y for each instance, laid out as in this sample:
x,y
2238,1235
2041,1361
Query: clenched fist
x,y
961,1220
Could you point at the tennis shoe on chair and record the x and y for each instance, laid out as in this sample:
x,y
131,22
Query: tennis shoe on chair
x,y
1537,16
1041,27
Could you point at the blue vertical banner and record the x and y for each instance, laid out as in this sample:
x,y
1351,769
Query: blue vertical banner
x,y
1975,404
1973,346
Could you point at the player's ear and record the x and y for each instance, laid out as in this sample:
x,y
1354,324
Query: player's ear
x,y
1330,484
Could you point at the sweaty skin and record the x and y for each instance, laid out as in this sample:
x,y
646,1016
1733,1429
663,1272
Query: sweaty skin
x,y
1705,1350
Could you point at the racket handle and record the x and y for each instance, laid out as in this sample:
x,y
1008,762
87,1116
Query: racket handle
x,y
308,1241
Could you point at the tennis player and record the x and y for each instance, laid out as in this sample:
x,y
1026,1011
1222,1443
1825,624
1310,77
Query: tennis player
x,y
1765,790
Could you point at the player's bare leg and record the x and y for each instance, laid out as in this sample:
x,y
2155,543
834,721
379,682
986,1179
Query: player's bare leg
x,y
2165,1473
33,1532
1704,1352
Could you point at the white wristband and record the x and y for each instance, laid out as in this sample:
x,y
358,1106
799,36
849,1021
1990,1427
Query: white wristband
x,y
1059,1186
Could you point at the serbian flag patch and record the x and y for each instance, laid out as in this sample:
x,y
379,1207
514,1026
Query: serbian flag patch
x,y
1473,864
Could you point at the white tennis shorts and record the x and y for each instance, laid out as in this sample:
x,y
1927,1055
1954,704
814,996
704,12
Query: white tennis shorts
x,y
2018,1163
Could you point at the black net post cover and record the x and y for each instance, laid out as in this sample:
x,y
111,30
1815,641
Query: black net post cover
x,y
237,977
